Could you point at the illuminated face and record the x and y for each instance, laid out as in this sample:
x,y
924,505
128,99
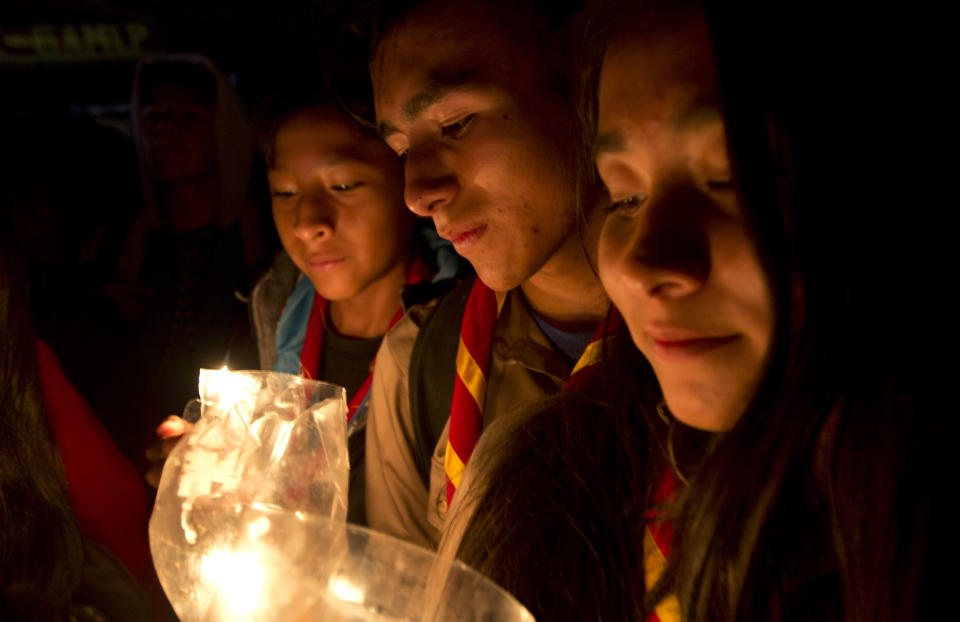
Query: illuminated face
x,y
675,253
179,134
337,198
488,147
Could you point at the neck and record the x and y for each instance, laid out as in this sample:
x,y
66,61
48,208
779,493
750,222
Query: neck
x,y
565,292
368,314
191,203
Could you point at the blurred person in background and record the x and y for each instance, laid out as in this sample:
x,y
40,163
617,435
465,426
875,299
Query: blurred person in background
x,y
197,241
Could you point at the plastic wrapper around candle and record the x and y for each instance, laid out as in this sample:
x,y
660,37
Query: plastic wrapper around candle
x,y
289,566
265,442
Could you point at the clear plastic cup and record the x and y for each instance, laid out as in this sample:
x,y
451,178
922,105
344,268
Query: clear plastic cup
x,y
265,440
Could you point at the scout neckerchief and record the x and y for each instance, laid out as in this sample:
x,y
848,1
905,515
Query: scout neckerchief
x,y
313,340
473,364
656,549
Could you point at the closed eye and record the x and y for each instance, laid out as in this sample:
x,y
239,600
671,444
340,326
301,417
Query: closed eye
x,y
628,206
283,194
346,187
458,128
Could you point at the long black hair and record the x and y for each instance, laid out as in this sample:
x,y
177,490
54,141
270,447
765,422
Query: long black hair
x,y
48,569
819,503
559,518
829,515
41,550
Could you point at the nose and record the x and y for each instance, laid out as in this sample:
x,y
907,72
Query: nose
x,y
668,252
314,219
430,184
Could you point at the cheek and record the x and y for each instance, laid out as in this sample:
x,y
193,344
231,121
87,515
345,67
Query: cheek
x,y
610,263
382,232
750,285
522,161
749,303
284,220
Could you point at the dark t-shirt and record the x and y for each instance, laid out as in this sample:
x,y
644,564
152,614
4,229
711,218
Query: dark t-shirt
x,y
347,362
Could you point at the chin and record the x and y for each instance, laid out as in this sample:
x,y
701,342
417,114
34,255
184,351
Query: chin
x,y
332,291
499,278
697,412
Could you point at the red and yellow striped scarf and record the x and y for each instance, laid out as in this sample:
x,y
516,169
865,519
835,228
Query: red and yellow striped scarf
x,y
313,341
656,550
473,365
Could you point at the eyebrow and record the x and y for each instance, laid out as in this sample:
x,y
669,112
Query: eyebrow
x,y
690,119
340,159
438,86
697,116
385,129
608,142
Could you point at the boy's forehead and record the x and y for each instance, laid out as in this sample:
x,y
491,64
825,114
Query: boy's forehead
x,y
320,129
322,136
436,48
419,42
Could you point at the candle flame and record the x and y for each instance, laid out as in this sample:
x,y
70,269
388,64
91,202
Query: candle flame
x,y
238,576
229,390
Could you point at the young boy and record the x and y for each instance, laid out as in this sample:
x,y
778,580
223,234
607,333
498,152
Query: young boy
x,y
469,94
349,249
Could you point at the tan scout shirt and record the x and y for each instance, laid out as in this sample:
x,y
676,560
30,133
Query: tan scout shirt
x,y
525,368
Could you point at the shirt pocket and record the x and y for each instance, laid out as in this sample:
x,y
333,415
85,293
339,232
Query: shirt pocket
x,y
437,495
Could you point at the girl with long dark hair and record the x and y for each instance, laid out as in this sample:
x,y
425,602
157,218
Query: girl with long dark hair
x,y
773,455
49,570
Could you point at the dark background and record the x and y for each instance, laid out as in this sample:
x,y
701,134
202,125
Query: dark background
x,y
66,69
82,54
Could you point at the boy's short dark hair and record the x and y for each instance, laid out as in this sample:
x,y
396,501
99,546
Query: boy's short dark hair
x,y
276,108
544,19
366,22
273,110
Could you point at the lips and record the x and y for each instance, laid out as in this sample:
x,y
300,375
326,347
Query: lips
x,y
463,238
324,262
679,344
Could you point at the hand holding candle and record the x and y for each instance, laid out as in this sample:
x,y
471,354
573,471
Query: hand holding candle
x,y
169,433
249,522
265,440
